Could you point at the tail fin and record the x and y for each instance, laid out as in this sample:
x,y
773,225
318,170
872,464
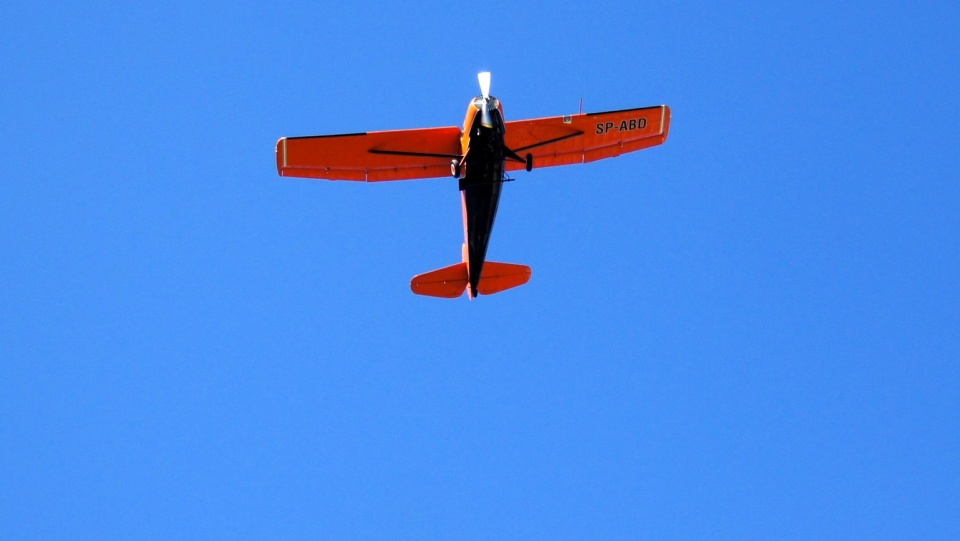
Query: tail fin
x,y
450,282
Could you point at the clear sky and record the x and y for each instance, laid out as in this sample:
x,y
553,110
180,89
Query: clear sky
x,y
750,332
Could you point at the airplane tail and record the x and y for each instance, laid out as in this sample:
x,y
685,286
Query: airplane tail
x,y
450,282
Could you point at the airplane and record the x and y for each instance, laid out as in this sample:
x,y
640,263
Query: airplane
x,y
479,156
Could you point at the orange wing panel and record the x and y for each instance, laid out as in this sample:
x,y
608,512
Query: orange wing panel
x,y
370,157
565,140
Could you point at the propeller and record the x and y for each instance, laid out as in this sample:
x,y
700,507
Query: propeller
x,y
484,78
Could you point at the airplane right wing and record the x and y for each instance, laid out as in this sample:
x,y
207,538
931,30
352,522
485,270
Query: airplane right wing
x,y
565,140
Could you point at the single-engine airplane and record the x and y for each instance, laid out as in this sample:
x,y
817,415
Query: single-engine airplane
x,y
479,156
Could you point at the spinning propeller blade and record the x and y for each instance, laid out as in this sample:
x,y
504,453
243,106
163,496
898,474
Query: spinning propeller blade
x,y
484,78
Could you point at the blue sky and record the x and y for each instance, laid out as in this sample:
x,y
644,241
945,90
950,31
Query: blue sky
x,y
750,332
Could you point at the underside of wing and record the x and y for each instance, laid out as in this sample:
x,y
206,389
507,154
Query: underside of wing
x,y
370,157
565,140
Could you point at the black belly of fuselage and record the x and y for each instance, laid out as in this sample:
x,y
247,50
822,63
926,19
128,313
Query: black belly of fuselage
x,y
480,188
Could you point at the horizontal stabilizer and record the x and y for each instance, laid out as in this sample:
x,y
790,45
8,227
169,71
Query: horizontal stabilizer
x,y
497,277
448,282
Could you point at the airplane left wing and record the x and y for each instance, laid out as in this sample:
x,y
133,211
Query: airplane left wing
x,y
372,156
565,140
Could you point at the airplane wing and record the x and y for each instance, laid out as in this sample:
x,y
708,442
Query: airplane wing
x,y
582,138
370,157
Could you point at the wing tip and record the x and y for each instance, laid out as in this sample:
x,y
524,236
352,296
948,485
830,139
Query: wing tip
x,y
281,151
664,123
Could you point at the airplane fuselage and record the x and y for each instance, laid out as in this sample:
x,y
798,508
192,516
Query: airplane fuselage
x,y
481,180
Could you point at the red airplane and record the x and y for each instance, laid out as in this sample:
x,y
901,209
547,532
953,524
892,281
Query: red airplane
x,y
479,156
